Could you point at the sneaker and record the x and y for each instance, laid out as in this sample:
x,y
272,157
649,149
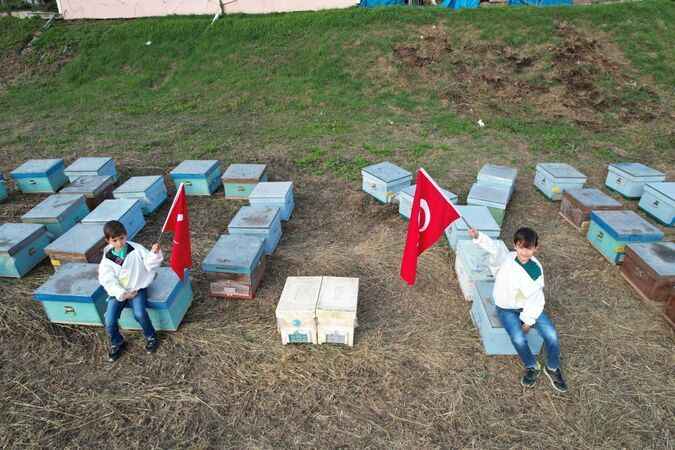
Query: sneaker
x,y
116,351
152,345
556,379
530,376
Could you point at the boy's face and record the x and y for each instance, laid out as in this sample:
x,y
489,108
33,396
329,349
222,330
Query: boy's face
x,y
118,242
524,253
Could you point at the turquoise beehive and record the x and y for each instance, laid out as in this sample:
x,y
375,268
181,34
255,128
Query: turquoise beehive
x,y
552,179
200,177
278,194
89,166
95,188
407,195
262,221
73,295
22,247
384,181
126,211
3,187
41,176
658,200
478,217
610,231
240,179
150,190
629,179
58,212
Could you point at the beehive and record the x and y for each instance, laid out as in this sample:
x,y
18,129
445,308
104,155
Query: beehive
x,y
58,212
22,247
200,177
494,197
3,188
42,176
384,180
126,211
478,217
500,176
296,310
610,231
240,179
150,190
407,195
629,179
89,166
261,221
336,310
82,243
650,269
472,264
95,188
277,194
577,204
658,200
552,179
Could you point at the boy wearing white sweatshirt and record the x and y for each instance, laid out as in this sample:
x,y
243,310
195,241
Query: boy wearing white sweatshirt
x,y
126,270
519,300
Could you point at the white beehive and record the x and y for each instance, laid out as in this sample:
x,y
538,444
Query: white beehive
x,y
336,310
296,310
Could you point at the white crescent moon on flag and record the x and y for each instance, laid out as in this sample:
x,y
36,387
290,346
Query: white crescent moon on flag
x,y
427,214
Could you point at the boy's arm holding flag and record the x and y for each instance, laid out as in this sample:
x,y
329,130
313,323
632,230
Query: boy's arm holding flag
x,y
152,260
497,254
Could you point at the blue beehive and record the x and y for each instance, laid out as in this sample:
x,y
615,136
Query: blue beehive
x,y
127,211
235,265
168,300
262,221
73,295
82,243
472,264
495,175
200,177
277,194
44,176
610,231
89,166
552,179
384,180
95,188
58,212
3,187
150,190
240,179
407,195
494,197
629,179
22,247
478,217
658,200
495,339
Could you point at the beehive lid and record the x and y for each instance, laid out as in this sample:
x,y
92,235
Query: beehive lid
x,y
88,184
478,217
15,236
138,184
250,173
254,217
339,294
299,294
195,168
88,164
490,194
660,256
666,188
53,207
410,192
110,210
77,240
387,172
164,288
485,289
235,253
36,167
73,282
591,197
561,170
626,226
636,170
501,174
271,189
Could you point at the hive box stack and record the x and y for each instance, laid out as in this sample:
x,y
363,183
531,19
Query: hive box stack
x,y
478,217
384,180
650,269
95,188
3,188
58,212
336,310
235,266
39,176
658,200
82,243
277,194
577,204
126,211
22,247
406,196
552,179
495,198
168,300
240,179
296,310
89,166
200,177
494,337
261,221
610,231
150,190
472,264
73,295
498,176
629,179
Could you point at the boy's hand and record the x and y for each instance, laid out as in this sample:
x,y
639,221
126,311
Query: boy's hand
x,y
155,248
129,295
526,328
473,233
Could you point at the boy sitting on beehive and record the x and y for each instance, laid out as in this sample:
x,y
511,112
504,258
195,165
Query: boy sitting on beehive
x,y
519,300
125,271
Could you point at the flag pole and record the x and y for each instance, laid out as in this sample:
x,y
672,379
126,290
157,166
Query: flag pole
x,y
173,203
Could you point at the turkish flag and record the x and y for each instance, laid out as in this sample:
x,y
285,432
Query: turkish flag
x,y
178,221
431,214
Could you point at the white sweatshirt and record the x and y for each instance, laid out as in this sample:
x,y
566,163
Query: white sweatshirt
x,y
514,288
136,272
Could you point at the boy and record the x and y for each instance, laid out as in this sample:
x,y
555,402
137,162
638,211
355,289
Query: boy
x,y
519,300
125,271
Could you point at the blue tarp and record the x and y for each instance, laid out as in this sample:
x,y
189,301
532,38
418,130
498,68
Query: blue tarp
x,y
375,3
460,4
539,2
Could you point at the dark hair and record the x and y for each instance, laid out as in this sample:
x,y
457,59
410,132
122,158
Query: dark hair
x,y
113,229
527,237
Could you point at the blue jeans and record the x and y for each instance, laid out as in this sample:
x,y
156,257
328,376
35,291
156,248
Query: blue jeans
x,y
512,324
114,310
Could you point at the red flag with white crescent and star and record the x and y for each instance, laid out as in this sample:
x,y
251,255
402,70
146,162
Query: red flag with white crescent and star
x,y
178,221
431,214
